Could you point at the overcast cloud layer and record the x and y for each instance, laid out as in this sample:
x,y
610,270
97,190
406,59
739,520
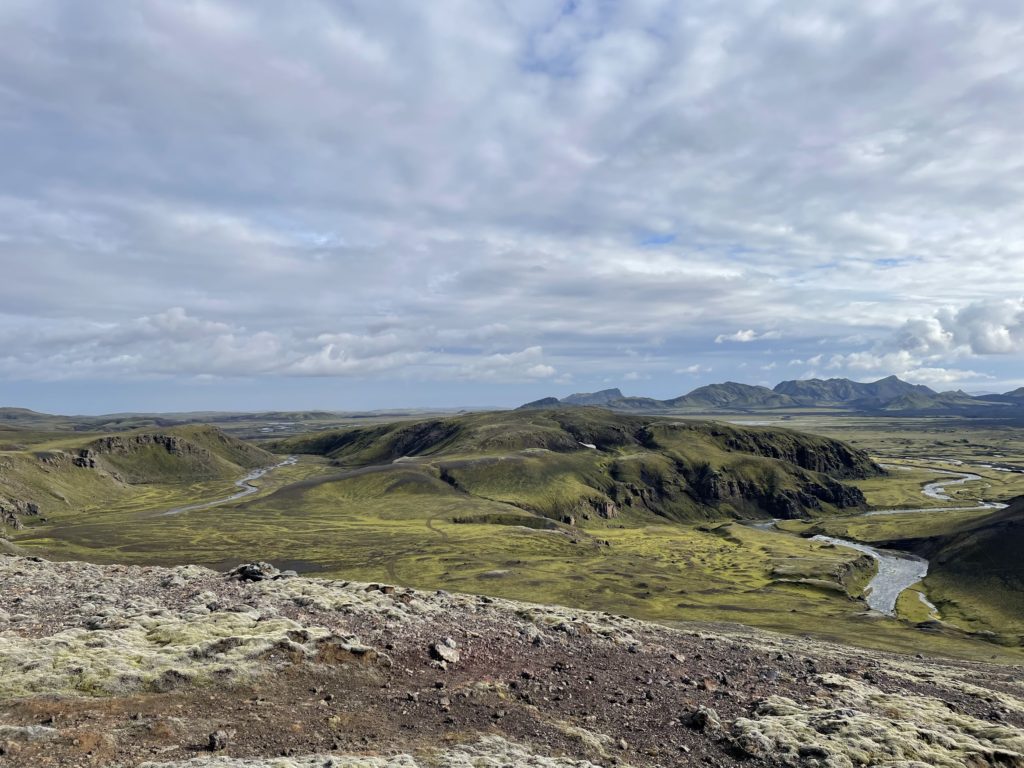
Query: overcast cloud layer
x,y
366,204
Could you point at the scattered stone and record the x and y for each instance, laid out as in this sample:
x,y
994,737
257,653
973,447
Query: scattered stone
x,y
218,741
259,571
446,651
702,719
813,752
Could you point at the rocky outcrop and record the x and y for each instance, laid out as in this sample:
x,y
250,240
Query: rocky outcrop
x,y
86,459
829,457
12,512
126,444
714,487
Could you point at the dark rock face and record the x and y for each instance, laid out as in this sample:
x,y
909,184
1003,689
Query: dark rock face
x,y
85,458
120,445
829,457
13,510
712,487
602,508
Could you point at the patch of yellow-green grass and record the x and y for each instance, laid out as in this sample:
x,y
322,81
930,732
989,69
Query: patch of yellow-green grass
x,y
911,607
980,604
902,488
885,529
399,528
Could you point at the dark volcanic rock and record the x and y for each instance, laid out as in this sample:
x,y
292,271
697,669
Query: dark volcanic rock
x,y
254,572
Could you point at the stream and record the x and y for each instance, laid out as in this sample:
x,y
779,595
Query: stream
x,y
899,570
245,485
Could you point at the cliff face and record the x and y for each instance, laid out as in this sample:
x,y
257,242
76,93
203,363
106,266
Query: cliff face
x,y
184,667
714,488
817,454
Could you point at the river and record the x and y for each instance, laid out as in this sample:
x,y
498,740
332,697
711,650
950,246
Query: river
x,y
899,570
245,485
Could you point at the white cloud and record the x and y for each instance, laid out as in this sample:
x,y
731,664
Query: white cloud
x,y
869,361
748,335
694,369
325,189
978,328
942,377
509,366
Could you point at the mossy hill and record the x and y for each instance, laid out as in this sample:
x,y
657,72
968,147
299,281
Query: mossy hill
x,y
71,471
579,464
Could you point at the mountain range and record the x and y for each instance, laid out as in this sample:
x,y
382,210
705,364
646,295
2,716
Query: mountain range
x,y
890,394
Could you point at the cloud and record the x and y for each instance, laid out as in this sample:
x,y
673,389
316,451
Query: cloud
x,y
525,364
745,336
979,328
940,377
694,369
429,190
175,342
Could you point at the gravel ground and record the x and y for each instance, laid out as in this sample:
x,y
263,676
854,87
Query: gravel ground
x,y
126,666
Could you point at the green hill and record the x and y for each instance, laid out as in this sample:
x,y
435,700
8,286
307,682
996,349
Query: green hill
x,y
585,464
976,575
73,471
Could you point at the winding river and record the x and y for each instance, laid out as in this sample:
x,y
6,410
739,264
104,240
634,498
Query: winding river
x,y
245,485
899,570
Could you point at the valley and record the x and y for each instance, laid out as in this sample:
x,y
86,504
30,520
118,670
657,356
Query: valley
x,y
642,515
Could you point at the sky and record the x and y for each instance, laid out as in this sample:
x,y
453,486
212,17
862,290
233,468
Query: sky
x,y
209,204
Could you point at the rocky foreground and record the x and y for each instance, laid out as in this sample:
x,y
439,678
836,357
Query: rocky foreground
x,y
164,668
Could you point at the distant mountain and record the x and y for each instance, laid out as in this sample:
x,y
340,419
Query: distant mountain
x,y
603,397
731,394
917,401
544,402
19,414
890,394
1014,397
638,404
823,392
